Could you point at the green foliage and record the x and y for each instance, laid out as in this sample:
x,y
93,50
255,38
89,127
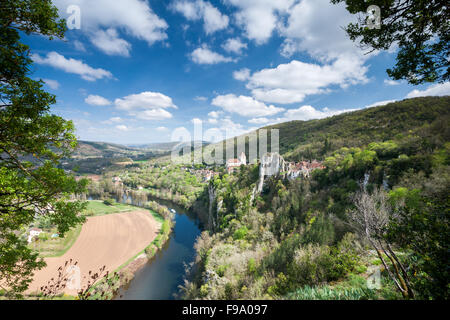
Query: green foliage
x,y
423,226
419,28
109,202
240,233
32,143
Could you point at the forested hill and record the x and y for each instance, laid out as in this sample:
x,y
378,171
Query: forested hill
x,y
318,138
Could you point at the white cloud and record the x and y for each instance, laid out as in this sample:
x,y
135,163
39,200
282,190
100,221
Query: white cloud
x,y
379,103
145,100
440,89
133,17
79,46
215,114
245,106
389,82
291,82
113,120
53,84
259,18
234,45
230,129
242,75
213,19
95,100
316,26
308,113
196,121
259,120
146,105
71,65
213,121
151,115
200,98
122,127
204,55
109,42
161,129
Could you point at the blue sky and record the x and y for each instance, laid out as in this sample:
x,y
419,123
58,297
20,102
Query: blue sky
x,y
136,70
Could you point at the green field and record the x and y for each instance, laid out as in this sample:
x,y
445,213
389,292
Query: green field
x,y
98,208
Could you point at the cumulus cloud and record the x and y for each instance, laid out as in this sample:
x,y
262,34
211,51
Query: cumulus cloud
x,y
71,65
315,26
53,84
242,75
308,113
200,98
310,26
109,42
146,105
213,19
379,103
234,45
133,17
440,89
145,100
215,114
113,120
291,82
161,129
204,55
196,121
259,120
95,100
245,106
122,128
389,82
259,18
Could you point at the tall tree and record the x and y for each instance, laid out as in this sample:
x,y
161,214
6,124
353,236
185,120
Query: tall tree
x,y
420,29
32,143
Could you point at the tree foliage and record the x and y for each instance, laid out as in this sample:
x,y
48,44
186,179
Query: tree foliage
x,y
32,143
420,29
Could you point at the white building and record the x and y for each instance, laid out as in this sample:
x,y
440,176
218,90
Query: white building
x,y
34,232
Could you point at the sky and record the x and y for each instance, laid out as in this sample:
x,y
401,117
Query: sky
x,y
136,71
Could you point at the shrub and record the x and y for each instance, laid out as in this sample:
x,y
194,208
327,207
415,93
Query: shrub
x,y
240,233
109,202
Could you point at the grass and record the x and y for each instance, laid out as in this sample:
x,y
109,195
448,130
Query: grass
x,y
56,247
98,208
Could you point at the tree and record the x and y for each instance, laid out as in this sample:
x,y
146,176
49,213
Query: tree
x,y
371,218
32,143
423,227
421,30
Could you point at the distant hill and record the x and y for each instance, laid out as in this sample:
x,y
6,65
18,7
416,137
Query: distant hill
x,y
163,146
315,139
88,149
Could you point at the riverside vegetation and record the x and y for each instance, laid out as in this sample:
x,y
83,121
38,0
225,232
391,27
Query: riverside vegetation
x,y
300,239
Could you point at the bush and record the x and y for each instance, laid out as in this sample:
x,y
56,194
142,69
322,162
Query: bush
x,y
240,233
109,202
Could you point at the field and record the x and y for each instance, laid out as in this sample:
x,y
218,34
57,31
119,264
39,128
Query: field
x,y
56,247
98,208
107,240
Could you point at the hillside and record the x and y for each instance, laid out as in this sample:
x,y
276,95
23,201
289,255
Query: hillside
x,y
88,149
315,139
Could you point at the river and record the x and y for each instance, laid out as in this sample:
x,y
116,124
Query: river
x,y
159,278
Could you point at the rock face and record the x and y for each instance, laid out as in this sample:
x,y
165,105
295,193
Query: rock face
x,y
212,199
271,164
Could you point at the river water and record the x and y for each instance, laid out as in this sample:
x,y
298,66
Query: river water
x,y
159,278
